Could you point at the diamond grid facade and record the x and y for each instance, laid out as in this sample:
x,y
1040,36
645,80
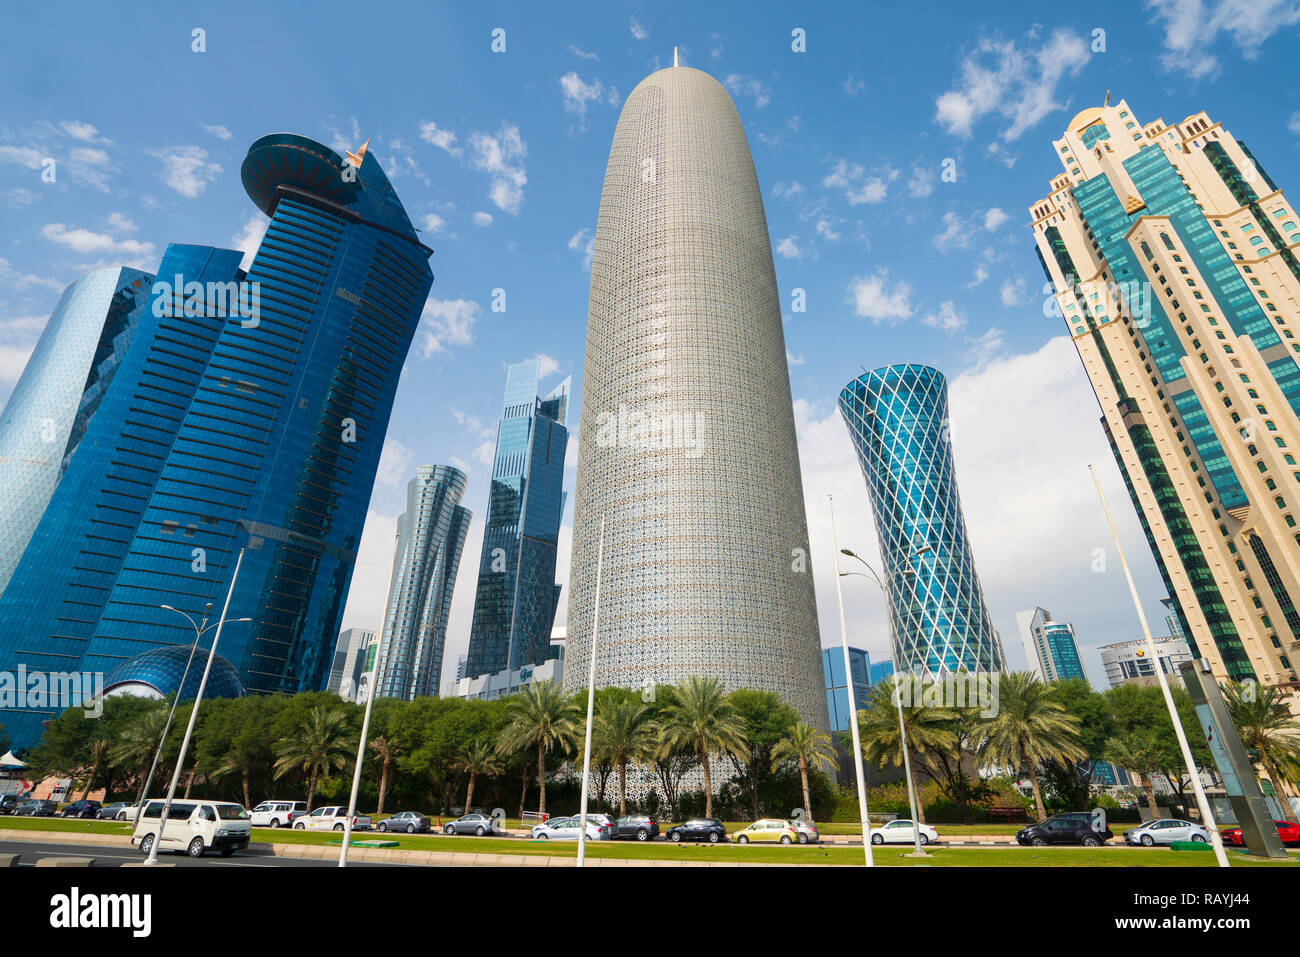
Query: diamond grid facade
x,y
687,441
898,418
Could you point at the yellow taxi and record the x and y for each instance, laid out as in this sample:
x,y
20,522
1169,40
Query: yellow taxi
x,y
768,829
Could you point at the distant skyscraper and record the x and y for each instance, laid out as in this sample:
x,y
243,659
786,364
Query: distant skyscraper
x,y
837,693
430,536
898,419
1049,646
514,606
1174,259
687,447
71,367
249,410
349,662
1129,662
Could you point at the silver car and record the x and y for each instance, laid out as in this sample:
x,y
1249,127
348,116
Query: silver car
x,y
567,829
807,831
1166,830
479,824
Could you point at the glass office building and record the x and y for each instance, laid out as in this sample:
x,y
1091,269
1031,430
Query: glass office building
x,y
430,536
64,381
349,662
248,413
174,669
1049,646
514,606
898,419
1175,262
837,693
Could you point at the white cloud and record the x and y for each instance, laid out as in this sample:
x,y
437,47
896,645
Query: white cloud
x,y
368,594
876,298
18,337
78,130
433,223
740,85
585,240
638,31
19,280
577,94
87,243
858,184
91,165
439,137
249,237
446,322
501,156
482,219
394,463
1013,292
23,155
1017,83
581,53
793,359
546,365
120,223
1191,27
186,169
981,273
957,233
789,248
789,191
1293,124
947,318
826,229
220,132
853,86
922,182
994,218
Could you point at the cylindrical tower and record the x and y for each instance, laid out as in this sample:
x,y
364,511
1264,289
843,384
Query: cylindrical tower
x,y
898,418
687,439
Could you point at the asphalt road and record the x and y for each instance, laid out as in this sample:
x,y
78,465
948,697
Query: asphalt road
x,y
113,856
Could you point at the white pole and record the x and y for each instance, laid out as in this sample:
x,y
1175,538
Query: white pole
x,y
189,728
853,705
361,753
1207,816
591,702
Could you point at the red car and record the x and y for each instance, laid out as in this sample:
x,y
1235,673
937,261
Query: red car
x,y
1287,833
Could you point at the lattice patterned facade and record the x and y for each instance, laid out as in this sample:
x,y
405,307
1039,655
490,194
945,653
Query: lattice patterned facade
x,y
898,418
687,430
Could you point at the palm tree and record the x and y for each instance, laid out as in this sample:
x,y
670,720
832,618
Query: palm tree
x,y
806,745
386,751
622,733
99,749
1139,751
138,743
927,729
698,717
245,760
1030,726
479,758
1268,730
317,746
542,718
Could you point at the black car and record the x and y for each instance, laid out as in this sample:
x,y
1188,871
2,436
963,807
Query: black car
x,y
697,829
36,808
635,827
81,809
7,803
1072,828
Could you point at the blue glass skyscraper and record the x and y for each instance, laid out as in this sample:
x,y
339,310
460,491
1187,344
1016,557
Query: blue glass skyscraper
x,y
515,603
898,419
62,385
249,412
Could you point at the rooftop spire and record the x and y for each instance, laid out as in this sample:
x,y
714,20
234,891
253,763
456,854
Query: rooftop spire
x,y
675,56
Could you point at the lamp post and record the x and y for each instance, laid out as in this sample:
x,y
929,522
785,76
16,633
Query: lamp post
x,y
189,728
898,698
591,702
853,707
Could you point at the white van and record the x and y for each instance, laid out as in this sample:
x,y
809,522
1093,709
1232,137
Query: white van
x,y
194,827
277,813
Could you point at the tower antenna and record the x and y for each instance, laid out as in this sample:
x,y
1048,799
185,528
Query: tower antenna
x,y
1107,101
674,56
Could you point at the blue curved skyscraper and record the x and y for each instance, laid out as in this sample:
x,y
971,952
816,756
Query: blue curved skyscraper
x,y
898,418
248,412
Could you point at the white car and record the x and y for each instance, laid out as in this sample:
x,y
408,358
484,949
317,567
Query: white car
x,y
332,818
902,832
277,813
194,828
566,829
130,812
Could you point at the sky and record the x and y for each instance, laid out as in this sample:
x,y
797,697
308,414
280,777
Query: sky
x,y
494,122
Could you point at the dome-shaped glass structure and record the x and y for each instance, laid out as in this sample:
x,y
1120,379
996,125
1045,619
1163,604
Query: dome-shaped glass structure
x,y
158,672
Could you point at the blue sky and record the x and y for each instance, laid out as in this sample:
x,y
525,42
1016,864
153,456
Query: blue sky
x,y
499,158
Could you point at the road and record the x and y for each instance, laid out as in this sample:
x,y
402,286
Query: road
x,y
114,856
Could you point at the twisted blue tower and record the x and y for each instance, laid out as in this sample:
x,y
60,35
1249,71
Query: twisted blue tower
x,y
898,418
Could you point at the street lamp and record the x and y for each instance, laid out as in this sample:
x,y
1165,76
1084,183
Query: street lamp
x,y
194,713
898,698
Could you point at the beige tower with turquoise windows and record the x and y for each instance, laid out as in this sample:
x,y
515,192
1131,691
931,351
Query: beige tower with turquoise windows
x,y
1172,256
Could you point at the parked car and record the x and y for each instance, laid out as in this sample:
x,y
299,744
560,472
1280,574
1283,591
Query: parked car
x,y
109,811
34,807
479,824
697,829
87,809
8,802
1072,828
277,813
1287,833
1166,830
902,831
568,828
766,830
331,818
806,830
129,812
637,826
194,828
